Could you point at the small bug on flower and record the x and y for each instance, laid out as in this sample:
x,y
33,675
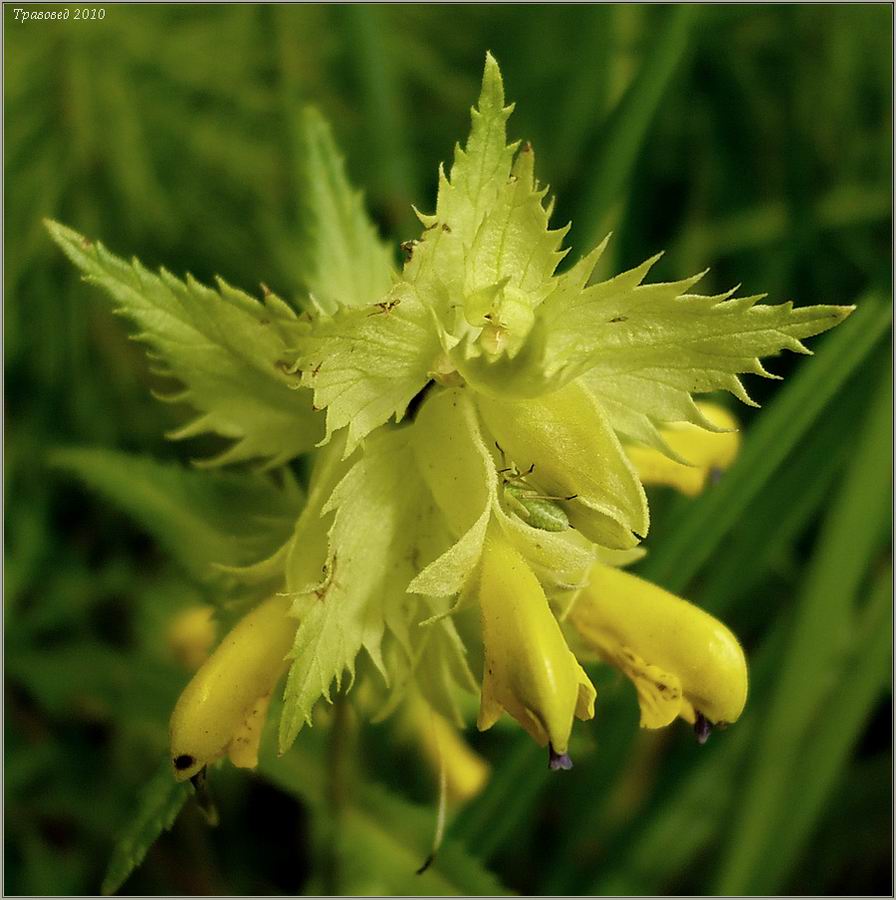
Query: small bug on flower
x,y
538,510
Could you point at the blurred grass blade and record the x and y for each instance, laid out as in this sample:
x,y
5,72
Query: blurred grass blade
x,y
845,206
695,536
201,518
780,514
378,826
517,782
391,171
667,838
159,804
584,99
590,801
827,753
674,835
621,136
853,531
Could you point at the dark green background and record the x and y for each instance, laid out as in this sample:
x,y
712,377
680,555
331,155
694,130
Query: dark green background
x,y
752,139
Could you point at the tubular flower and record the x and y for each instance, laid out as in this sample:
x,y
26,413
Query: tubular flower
x,y
703,454
488,421
529,670
682,661
222,710
191,635
444,749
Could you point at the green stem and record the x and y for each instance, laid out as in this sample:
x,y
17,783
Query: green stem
x,y
338,774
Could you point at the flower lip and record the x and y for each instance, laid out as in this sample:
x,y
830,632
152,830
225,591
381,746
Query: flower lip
x,y
682,661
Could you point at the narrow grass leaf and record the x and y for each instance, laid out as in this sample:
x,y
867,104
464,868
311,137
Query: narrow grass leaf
x,y
826,754
200,517
623,133
160,802
699,530
815,658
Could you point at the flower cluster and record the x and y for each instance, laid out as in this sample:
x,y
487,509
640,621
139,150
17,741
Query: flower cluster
x,y
482,426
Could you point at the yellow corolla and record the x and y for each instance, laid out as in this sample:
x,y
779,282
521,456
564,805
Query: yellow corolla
x,y
191,635
222,709
708,452
683,661
529,670
445,750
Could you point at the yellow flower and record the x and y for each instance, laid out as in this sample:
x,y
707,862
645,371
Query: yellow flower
x,y
191,635
222,710
682,661
529,670
444,748
708,452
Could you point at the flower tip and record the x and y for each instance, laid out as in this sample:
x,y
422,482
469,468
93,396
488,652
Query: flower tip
x,y
702,728
557,761
426,864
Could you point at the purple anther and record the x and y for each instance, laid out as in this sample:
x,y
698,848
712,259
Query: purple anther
x,y
558,760
702,728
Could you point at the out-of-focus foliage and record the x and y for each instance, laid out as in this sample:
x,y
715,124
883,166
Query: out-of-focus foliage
x,y
752,138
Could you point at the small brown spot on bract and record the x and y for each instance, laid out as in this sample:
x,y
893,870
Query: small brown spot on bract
x,y
446,228
184,761
385,307
617,319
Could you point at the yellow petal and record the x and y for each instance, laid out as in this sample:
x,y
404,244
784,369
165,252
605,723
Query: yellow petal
x,y
659,692
466,772
191,635
682,660
529,670
217,705
246,740
706,451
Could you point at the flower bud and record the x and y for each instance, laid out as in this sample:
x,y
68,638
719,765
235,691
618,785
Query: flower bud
x,y
444,748
708,452
682,661
529,670
191,635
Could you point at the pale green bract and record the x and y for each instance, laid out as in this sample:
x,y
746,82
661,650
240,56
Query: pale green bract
x,y
230,351
416,390
344,263
480,297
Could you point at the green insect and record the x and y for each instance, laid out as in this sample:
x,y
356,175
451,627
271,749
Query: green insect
x,y
538,510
